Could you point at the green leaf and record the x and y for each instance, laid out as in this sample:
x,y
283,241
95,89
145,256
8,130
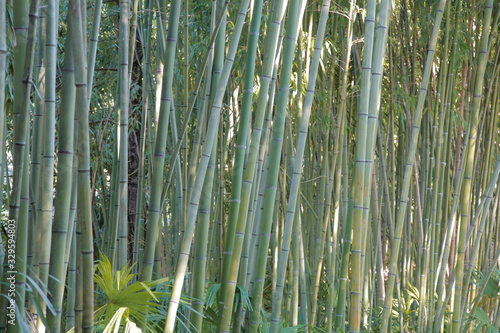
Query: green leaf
x,y
492,287
145,302
482,317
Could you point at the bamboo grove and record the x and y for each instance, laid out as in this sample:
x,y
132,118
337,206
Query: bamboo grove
x,y
250,166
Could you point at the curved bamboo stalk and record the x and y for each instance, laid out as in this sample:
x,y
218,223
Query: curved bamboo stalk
x,y
241,151
301,141
488,195
205,156
205,63
161,140
410,158
241,141
278,132
448,235
200,251
217,64
265,93
465,209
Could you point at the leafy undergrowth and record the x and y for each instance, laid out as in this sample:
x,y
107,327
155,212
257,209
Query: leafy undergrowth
x,y
135,307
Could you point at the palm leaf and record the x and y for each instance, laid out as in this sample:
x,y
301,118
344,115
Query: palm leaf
x,y
130,304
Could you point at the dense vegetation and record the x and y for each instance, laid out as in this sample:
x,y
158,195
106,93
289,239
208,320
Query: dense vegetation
x,y
255,166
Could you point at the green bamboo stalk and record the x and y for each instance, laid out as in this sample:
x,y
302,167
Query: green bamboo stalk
x,y
202,113
185,109
46,183
378,263
445,180
321,201
21,247
107,242
271,46
147,259
145,120
374,107
389,217
62,203
217,65
438,173
161,138
176,150
260,178
201,239
242,138
160,55
332,236
277,141
205,155
488,196
115,190
157,268
341,299
361,186
408,168
465,209
78,11
73,207
71,298
79,281
200,129
241,151
123,114
215,55
445,251
23,64
94,38
435,184
177,214
132,38
301,140
36,142
20,117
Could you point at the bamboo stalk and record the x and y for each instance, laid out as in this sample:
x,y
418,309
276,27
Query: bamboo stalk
x,y
123,114
78,11
465,209
408,168
301,140
205,155
62,203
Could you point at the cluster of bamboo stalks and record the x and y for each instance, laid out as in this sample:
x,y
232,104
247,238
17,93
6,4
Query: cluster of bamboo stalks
x,y
328,165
